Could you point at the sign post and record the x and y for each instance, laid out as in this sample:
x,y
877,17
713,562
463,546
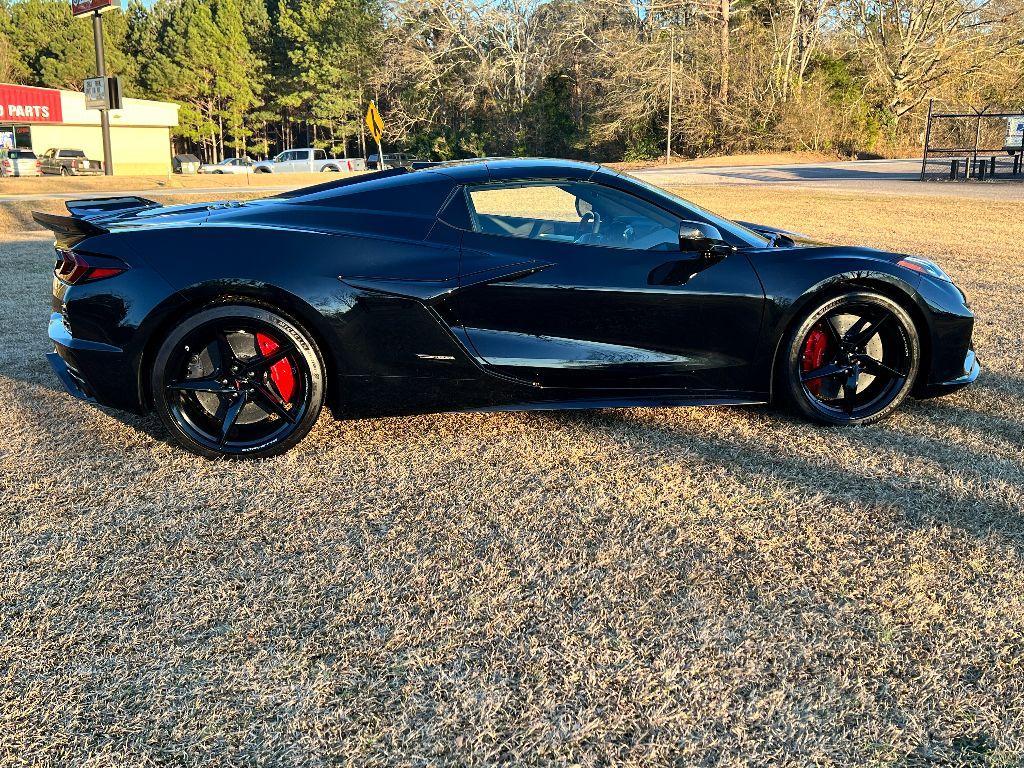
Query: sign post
x,y
376,126
95,8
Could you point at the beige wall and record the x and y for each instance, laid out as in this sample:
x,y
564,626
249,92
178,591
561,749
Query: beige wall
x,y
136,150
136,112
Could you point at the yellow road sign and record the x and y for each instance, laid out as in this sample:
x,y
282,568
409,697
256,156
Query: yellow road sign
x,y
374,123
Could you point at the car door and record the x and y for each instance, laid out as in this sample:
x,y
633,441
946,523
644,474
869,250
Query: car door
x,y
285,161
605,299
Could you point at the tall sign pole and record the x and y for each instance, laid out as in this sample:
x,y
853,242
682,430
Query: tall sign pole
x,y
101,71
100,93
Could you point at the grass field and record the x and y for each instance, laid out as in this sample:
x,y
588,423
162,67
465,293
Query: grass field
x,y
639,587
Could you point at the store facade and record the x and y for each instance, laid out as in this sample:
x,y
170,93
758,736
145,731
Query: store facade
x,y
46,118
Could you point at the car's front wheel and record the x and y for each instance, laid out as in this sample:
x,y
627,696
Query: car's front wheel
x,y
238,381
851,360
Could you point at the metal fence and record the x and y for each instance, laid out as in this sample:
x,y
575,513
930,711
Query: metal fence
x,y
968,146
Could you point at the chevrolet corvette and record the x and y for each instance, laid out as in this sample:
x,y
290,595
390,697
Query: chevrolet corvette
x,y
508,284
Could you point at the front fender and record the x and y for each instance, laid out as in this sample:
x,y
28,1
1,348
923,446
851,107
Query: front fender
x,y
798,278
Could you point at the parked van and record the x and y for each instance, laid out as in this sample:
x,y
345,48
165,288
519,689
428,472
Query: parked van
x,y
1014,141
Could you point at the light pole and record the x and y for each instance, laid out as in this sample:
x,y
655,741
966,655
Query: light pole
x,y
671,96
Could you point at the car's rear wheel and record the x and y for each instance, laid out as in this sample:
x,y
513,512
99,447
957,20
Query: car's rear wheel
x,y
851,360
237,380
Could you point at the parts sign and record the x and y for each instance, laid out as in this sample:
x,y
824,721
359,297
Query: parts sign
x,y
24,104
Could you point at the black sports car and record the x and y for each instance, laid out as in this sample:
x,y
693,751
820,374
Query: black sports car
x,y
483,285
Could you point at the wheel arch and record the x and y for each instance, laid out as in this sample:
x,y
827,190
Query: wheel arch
x,y
269,297
884,284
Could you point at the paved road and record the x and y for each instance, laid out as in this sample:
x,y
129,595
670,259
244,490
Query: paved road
x,y
867,176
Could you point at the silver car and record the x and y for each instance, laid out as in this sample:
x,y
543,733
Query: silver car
x,y
228,165
19,162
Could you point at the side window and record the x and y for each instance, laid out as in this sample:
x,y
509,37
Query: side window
x,y
319,154
573,211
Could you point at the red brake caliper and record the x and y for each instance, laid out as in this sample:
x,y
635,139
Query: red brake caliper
x,y
814,356
281,371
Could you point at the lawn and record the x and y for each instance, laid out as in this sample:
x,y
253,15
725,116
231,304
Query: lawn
x,y
639,587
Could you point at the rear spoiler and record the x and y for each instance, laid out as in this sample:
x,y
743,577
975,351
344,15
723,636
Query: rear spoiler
x,y
99,206
67,226
85,214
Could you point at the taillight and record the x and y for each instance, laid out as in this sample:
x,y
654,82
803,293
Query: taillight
x,y
74,269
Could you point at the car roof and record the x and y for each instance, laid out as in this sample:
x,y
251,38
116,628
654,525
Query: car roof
x,y
508,168
422,191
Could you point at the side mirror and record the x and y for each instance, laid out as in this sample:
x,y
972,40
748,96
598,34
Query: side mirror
x,y
704,240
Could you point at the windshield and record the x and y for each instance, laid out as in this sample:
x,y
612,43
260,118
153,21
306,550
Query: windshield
x,y
21,154
748,236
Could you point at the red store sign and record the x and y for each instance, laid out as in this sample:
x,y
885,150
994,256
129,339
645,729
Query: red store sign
x,y
24,104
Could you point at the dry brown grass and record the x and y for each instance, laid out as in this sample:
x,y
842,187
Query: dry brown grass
x,y
638,587
735,160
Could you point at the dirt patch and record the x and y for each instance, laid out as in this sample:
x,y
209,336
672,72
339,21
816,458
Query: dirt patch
x,y
637,587
37,185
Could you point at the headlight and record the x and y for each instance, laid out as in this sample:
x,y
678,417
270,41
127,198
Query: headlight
x,y
924,266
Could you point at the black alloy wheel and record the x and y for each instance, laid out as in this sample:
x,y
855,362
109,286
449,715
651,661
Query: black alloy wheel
x,y
852,360
236,380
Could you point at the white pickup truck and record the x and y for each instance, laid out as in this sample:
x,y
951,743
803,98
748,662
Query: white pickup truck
x,y
308,160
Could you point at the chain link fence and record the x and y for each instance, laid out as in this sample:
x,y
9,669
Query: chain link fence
x,y
972,146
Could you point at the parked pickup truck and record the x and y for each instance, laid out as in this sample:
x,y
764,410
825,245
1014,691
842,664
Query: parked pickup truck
x,y
69,162
307,160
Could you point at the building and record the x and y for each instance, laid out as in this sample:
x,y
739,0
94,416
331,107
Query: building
x,y
44,118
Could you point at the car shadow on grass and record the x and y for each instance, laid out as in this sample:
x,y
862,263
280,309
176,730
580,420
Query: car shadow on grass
x,y
985,493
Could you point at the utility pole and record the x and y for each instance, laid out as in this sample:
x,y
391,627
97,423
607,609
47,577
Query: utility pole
x,y
671,96
927,139
101,71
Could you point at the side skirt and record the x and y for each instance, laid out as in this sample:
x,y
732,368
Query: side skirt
x,y
617,402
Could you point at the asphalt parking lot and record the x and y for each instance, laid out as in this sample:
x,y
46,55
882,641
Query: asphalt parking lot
x,y
899,177
638,587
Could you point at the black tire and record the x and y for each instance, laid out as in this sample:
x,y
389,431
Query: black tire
x,y
852,359
238,381
329,169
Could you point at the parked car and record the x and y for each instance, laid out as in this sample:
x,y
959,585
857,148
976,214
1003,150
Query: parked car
x,y
19,162
69,162
1014,141
308,160
451,288
186,164
397,160
228,165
